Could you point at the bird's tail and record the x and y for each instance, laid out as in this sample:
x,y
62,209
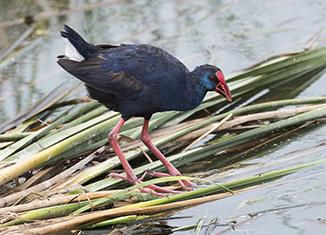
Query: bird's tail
x,y
77,48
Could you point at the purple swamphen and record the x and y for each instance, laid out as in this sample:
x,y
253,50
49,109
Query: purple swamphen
x,y
138,81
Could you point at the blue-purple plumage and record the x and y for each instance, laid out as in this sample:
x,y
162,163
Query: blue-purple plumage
x,y
137,80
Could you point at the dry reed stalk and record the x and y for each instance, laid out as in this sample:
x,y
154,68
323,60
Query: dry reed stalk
x,y
57,200
215,126
8,200
29,182
278,114
71,222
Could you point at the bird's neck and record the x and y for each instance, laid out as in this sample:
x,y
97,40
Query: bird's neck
x,y
194,91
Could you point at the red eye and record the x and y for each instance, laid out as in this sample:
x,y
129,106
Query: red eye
x,y
212,78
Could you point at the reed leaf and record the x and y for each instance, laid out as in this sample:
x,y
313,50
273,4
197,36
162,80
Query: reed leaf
x,y
79,207
202,152
152,206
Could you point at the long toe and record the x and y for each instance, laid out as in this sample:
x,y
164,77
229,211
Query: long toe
x,y
187,185
159,191
152,189
118,176
157,174
163,189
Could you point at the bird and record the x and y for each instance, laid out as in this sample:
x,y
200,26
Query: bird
x,y
138,80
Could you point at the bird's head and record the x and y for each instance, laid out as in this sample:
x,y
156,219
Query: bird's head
x,y
212,79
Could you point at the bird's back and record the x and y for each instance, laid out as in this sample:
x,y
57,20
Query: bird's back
x,y
146,63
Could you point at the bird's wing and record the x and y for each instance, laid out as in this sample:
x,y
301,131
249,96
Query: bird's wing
x,y
148,64
95,75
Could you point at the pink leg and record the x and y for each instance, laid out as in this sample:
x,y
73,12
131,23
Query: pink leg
x,y
172,170
113,139
130,176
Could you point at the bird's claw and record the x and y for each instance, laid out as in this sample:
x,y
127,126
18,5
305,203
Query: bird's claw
x,y
152,189
185,184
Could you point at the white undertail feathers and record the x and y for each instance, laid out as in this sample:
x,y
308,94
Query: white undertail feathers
x,y
72,53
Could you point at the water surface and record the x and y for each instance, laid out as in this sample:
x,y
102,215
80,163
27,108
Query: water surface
x,y
231,34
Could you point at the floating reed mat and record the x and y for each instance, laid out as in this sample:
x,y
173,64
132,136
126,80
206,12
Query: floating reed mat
x,y
148,207
55,159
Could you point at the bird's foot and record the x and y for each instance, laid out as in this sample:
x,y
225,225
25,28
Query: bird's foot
x,y
185,184
152,189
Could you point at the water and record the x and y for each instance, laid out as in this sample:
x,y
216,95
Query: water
x,y
231,34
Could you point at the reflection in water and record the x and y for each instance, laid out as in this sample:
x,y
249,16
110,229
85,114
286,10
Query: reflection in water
x,y
231,34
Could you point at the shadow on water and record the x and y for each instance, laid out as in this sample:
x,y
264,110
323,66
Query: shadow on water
x,y
232,34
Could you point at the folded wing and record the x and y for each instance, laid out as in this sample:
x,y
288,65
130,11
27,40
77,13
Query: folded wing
x,y
99,78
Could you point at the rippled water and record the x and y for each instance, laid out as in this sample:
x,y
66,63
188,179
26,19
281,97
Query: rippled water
x,y
231,34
